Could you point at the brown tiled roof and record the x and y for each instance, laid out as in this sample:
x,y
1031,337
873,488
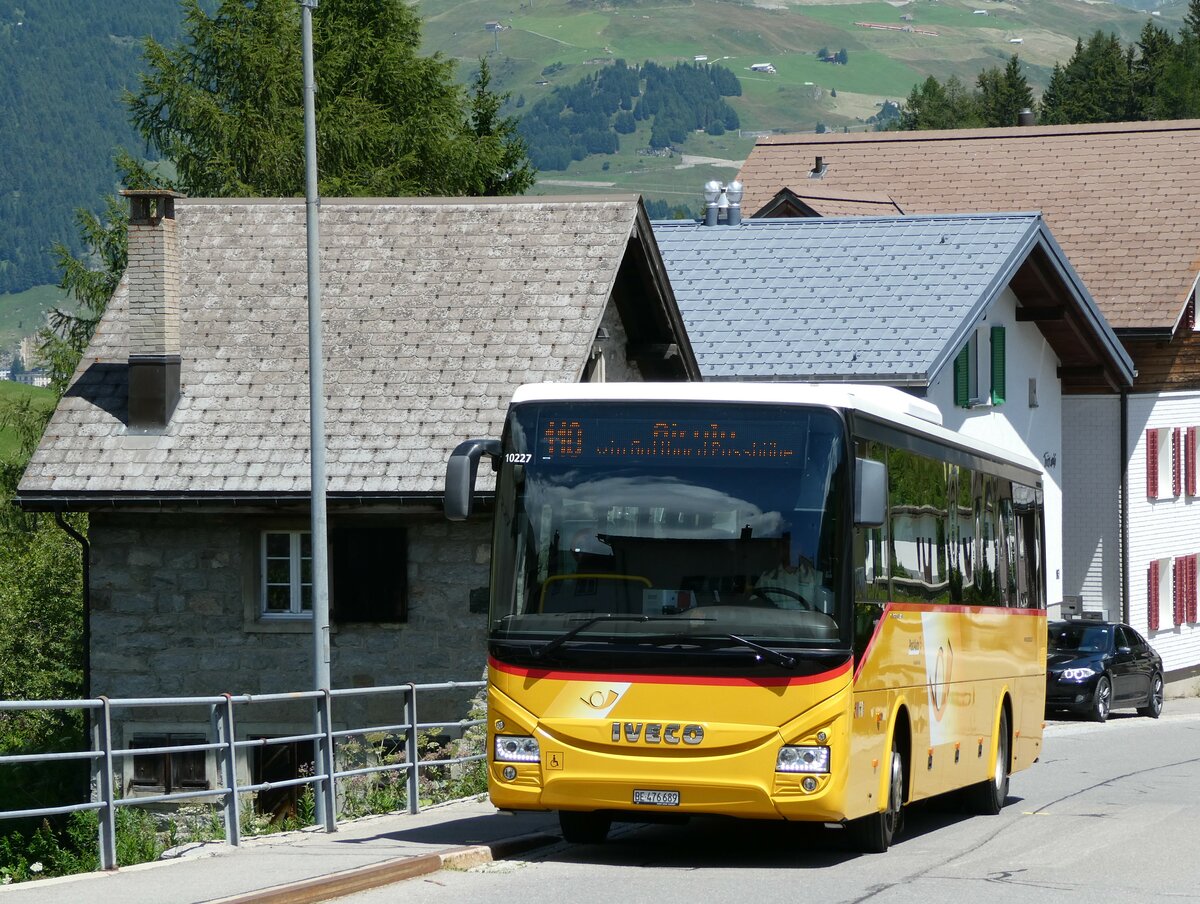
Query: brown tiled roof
x,y
1123,199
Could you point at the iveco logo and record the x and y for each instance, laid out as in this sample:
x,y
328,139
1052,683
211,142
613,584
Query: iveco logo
x,y
656,733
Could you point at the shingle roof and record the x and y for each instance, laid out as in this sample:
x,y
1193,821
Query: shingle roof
x,y
834,203
886,299
434,311
1123,199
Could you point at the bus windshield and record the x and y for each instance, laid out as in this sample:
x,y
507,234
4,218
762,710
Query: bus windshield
x,y
681,526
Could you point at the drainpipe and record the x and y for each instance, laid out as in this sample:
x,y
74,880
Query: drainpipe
x,y
1124,464
86,555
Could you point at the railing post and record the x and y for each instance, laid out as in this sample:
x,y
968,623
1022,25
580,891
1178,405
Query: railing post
x,y
327,789
410,748
222,715
102,776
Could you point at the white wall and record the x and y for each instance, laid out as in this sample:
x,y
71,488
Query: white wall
x,y
1091,502
1161,528
1035,431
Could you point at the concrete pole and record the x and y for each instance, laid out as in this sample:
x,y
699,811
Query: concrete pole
x,y
316,392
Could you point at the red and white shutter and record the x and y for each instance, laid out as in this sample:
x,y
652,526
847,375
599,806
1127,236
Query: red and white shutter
x,y
1152,464
1190,460
1177,590
1152,597
1189,609
1176,462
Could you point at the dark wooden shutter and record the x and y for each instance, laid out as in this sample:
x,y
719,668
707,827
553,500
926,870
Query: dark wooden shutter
x,y
1152,597
998,366
370,574
1152,464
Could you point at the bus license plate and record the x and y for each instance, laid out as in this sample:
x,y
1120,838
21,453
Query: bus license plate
x,y
657,798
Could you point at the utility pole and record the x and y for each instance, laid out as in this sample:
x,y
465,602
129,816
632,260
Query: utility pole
x,y
323,791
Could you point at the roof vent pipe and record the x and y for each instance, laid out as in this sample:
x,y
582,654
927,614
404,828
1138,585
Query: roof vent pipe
x,y
734,191
818,169
712,199
1026,118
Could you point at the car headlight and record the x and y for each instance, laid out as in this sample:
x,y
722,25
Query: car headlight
x,y
802,759
517,749
1081,674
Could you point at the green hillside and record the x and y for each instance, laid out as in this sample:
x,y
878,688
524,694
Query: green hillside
x,y
14,392
547,43
22,313
65,64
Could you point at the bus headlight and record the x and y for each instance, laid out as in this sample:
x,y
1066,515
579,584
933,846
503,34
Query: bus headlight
x,y
517,749
803,759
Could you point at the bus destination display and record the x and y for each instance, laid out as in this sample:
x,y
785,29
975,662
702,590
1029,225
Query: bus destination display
x,y
609,439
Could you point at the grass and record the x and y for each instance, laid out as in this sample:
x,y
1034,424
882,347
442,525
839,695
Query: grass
x,y
14,392
22,313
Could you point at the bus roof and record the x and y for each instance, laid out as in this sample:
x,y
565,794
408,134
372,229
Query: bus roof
x,y
885,403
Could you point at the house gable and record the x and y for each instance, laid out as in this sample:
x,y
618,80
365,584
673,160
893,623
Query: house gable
x,y
434,311
1137,258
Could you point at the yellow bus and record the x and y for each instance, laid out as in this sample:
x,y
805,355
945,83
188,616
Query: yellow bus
x,y
770,601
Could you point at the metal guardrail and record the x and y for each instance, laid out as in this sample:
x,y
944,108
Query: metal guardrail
x,y
222,714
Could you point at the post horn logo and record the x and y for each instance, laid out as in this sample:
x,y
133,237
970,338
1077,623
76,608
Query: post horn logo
x,y
600,699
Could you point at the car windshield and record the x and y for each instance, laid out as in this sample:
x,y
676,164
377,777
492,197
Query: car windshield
x,y
1074,638
700,522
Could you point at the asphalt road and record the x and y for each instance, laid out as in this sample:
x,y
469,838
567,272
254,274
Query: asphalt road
x,y
1110,814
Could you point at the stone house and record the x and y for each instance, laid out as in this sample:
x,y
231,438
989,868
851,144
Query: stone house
x,y
1124,202
185,434
955,309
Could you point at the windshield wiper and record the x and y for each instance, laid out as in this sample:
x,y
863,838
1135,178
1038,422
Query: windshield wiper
x,y
557,642
775,656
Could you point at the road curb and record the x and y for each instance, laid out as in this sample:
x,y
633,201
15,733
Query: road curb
x,y
363,878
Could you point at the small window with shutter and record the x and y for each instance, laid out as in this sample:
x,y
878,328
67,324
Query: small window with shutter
x,y
998,366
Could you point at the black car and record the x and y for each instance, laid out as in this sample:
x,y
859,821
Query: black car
x,y
1092,667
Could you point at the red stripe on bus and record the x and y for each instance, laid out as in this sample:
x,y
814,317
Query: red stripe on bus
x,y
705,681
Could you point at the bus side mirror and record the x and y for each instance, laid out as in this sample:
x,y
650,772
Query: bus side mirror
x,y
870,493
460,475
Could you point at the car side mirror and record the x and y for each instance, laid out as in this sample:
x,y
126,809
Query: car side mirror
x,y
461,470
870,493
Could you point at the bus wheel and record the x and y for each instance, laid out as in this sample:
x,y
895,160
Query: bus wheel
x,y
583,828
988,797
873,834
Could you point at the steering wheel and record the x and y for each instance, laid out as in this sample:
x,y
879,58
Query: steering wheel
x,y
762,592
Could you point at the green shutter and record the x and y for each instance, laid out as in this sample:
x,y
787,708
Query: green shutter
x,y
998,369
961,385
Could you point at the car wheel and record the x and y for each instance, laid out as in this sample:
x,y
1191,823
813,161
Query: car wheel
x,y
1102,699
988,796
874,834
583,828
1154,703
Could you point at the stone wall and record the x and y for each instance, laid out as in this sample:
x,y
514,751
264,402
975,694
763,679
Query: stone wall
x,y
175,613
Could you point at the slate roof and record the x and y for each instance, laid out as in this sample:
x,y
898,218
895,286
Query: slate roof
x,y
886,299
1123,199
434,311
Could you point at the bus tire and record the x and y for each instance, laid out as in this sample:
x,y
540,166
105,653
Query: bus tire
x,y
583,828
988,796
874,834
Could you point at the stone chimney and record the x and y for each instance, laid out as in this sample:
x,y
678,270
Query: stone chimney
x,y
154,285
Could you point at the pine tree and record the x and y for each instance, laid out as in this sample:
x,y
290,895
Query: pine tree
x,y
1003,95
226,105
